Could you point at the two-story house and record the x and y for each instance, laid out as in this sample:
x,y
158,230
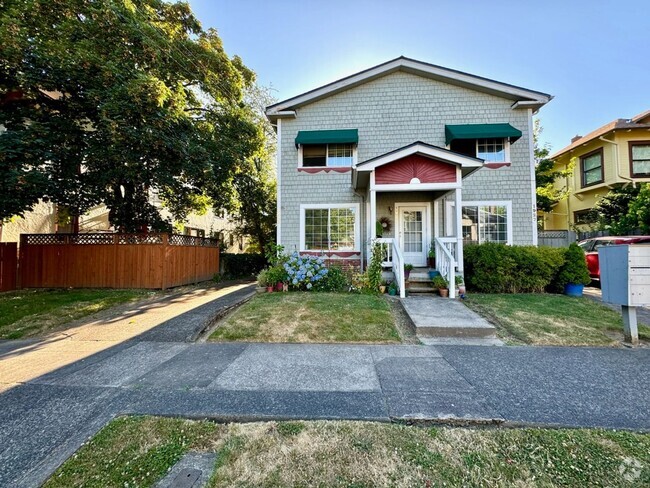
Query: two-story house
x,y
439,156
618,153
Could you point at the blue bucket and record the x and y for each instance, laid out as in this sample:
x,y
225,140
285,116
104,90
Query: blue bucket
x,y
433,273
573,290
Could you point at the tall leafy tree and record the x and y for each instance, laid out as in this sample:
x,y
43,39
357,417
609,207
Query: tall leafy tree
x,y
624,209
113,101
546,174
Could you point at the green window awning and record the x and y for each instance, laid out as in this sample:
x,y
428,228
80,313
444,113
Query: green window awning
x,y
481,131
342,136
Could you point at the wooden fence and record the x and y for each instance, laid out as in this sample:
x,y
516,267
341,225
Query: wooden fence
x,y
555,238
115,260
8,266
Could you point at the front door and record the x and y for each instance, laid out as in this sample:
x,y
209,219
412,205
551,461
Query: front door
x,y
413,230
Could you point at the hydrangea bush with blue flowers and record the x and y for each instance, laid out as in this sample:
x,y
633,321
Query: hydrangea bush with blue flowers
x,y
304,271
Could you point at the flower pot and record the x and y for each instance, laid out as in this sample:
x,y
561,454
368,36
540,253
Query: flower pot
x,y
285,286
433,273
269,289
573,289
392,292
461,289
407,273
444,292
279,286
431,262
382,289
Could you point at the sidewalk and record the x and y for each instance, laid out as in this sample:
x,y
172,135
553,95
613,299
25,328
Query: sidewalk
x,y
44,421
21,361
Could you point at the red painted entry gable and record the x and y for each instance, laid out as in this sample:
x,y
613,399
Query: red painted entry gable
x,y
403,170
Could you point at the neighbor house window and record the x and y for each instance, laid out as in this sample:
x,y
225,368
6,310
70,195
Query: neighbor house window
x,y
192,231
591,168
640,159
323,155
329,227
492,150
584,217
486,222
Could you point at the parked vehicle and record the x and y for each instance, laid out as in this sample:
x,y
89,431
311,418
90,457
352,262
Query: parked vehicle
x,y
590,247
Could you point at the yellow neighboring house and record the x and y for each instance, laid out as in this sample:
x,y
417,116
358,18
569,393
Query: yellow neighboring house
x,y
42,219
615,154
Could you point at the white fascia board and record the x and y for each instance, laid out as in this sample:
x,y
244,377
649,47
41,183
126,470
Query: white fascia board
x,y
433,152
416,186
415,67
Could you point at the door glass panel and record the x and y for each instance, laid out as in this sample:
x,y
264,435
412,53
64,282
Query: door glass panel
x,y
412,230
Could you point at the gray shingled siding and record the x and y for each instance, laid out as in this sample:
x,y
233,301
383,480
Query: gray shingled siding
x,y
394,111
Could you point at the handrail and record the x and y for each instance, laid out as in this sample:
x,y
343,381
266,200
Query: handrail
x,y
446,263
394,259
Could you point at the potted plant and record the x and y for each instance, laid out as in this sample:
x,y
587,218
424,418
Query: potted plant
x,y
407,271
276,276
431,256
574,274
264,280
461,286
441,284
392,289
382,287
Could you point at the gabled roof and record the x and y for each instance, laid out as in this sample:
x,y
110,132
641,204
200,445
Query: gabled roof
x,y
640,121
467,164
523,97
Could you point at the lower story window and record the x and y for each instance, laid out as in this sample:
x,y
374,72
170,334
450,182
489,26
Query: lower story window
x,y
486,222
329,227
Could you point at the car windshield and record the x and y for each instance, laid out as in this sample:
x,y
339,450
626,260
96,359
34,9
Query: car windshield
x,y
586,245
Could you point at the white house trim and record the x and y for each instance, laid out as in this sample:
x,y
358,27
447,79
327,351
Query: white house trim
x,y
413,66
425,150
278,176
495,203
354,158
416,186
357,223
533,184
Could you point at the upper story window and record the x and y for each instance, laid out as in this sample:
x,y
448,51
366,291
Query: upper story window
x,y
492,150
327,155
591,168
640,159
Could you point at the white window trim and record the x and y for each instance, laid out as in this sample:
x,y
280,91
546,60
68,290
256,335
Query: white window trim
x,y
357,224
506,149
500,203
354,157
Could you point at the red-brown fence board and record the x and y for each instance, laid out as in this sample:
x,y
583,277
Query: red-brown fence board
x,y
8,265
115,260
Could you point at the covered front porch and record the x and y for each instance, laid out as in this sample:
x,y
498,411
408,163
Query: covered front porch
x,y
414,205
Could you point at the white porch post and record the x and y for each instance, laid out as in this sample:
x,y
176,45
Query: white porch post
x,y
459,229
373,215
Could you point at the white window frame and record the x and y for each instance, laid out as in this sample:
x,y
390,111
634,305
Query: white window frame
x,y
314,206
494,203
506,149
354,157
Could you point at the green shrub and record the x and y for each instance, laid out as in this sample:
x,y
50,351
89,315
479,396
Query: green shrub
x,y
277,274
497,268
263,278
242,265
335,280
574,269
374,268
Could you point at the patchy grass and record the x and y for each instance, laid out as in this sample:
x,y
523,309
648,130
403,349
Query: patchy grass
x,y
28,313
310,317
138,451
547,319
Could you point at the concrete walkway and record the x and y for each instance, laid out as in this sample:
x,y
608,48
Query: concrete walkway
x,y
21,361
44,421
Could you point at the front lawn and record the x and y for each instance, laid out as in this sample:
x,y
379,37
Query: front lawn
x,y
28,313
547,319
310,317
138,451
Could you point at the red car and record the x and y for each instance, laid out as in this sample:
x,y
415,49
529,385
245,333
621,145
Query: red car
x,y
590,247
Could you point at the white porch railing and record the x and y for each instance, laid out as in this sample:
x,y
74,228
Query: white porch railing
x,y
446,261
393,258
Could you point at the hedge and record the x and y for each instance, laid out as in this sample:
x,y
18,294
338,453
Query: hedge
x,y
242,265
497,268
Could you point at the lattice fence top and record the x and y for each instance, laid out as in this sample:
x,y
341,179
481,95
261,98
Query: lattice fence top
x,y
553,234
107,238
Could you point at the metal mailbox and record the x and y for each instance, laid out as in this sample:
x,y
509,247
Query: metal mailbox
x,y
625,280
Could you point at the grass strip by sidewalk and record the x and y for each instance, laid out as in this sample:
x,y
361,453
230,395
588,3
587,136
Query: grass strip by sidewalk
x,y
29,313
548,319
138,451
311,317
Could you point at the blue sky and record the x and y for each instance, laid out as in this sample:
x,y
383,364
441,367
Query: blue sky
x,y
593,56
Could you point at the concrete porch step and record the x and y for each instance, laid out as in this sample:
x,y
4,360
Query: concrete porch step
x,y
434,316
